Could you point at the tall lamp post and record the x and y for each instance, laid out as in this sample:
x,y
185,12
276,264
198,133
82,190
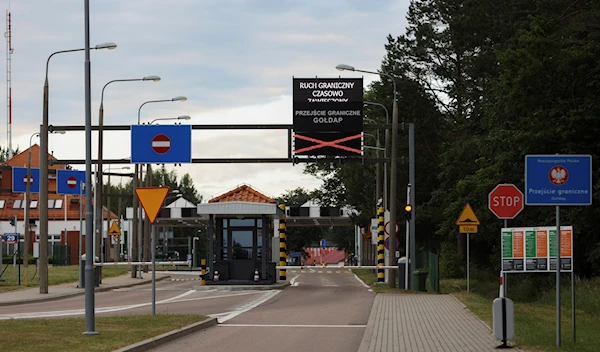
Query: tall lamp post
x,y
137,223
98,194
386,148
182,117
28,199
44,170
393,171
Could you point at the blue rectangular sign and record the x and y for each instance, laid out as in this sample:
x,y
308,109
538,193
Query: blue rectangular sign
x,y
69,181
558,179
161,144
19,179
10,238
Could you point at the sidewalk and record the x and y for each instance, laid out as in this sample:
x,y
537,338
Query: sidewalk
x,y
31,295
423,322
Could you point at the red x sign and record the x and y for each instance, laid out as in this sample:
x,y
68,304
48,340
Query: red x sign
x,y
334,143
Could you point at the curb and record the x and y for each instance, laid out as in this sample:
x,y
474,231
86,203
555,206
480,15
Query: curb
x,y
168,336
366,340
73,294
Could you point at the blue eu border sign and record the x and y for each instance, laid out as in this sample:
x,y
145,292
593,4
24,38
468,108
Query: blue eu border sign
x,y
19,178
161,144
558,180
69,181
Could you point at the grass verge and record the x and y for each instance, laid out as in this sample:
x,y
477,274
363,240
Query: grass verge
x,y
52,335
535,322
56,275
370,279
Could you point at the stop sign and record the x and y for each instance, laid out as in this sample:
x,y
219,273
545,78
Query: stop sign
x,y
505,201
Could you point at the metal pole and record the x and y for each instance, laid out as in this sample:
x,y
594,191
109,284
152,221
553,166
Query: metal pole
x,y
108,216
393,185
89,207
81,185
44,192
153,269
504,276
406,266
27,203
557,276
468,264
573,301
411,180
134,230
98,188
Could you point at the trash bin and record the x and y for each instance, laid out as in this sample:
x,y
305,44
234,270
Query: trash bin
x,y
402,274
420,280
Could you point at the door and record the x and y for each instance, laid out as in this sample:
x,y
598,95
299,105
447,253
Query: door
x,y
242,253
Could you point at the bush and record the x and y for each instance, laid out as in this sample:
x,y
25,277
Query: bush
x,y
451,264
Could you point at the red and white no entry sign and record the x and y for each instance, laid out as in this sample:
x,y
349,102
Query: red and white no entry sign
x,y
387,228
161,144
25,179
72,182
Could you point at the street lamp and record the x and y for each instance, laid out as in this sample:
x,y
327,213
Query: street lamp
x,y
182,117
137,223
28,196
393,171
44,170
108,204
98,194
387,143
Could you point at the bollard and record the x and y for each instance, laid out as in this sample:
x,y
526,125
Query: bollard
x,y
216,276
256,275
203,271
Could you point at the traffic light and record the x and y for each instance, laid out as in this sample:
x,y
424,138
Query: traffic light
x,y
408,211
13,220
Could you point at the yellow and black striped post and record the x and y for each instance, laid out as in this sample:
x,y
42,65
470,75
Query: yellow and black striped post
x,y
282,244
380,245
203,271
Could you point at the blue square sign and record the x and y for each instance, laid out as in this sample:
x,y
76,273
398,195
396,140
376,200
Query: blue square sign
x,y
69,181
19,180
558,179
161,144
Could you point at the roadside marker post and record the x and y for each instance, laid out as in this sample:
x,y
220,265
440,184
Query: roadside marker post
x,y
152,199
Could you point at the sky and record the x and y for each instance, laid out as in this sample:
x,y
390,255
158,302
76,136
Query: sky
x,y
234,60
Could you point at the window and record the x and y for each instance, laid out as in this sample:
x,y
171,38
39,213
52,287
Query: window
x,y
241,222
58,204
50,203
241,243
18,204
33,204
2,204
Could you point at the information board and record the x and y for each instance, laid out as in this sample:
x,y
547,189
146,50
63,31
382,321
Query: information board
x,y
533,249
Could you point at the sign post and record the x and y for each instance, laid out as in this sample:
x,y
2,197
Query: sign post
x,y
559,180
468,222
151,199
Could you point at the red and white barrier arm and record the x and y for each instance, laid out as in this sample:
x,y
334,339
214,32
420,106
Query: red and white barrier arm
x,y
335,267
142,263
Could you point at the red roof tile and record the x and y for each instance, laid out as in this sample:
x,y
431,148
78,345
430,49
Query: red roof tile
x,y
243,193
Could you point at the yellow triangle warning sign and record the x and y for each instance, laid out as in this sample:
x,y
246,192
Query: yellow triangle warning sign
x,y
151,199
114,229
467,217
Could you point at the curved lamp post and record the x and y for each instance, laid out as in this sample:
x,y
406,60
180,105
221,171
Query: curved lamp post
x,y
182,117
44,170
393,165
137,223
98,193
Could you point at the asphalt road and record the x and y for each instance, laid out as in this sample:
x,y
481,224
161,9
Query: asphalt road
x,y
322,310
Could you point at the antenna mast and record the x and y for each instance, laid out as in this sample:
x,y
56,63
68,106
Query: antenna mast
x,y
9,51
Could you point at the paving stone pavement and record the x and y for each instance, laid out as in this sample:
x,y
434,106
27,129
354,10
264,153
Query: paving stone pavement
x,y
423,322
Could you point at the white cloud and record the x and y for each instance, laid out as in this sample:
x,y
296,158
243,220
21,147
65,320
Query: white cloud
x,y
234,60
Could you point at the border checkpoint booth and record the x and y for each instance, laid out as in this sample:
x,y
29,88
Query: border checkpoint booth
x,y
241,236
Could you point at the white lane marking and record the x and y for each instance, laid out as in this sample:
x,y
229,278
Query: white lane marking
x,y
363,283
293,281
292,326
243,309
115,308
